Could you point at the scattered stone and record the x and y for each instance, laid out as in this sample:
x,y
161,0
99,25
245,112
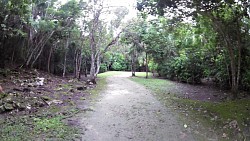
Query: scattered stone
x,y
31,85
40,81
2,95
1,90
88,109
81,88
55,102
72,90
88,82
26,90
233,124
8,107
224,135
17,89
28,107
2,109
46,98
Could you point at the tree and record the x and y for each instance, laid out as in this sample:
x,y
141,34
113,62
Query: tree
x,y
99,40
227,18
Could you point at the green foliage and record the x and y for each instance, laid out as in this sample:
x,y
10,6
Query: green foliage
x,y
118,61
152,66
103,68
116,66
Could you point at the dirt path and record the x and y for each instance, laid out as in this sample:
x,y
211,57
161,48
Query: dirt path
x,y
128,111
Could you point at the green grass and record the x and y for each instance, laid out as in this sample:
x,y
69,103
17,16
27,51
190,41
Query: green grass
x,y
160,86
53,128
30,128
211,115
143,74
102,83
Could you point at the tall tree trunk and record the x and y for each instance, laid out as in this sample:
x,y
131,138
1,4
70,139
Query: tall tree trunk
x,y
85,67
239,60
98,63
133,63
79,65
65,57
92,69
49,59
76,63
233,63
146,65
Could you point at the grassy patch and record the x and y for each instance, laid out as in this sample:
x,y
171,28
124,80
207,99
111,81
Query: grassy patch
x,y
143,74
102,83
53,128
30,128
160,86
213,116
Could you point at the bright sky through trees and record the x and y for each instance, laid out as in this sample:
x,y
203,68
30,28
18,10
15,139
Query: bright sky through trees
x,y
130,4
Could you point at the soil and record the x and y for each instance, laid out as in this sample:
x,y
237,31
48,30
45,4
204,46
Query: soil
x,y
56,91
200,92
124,111
128,111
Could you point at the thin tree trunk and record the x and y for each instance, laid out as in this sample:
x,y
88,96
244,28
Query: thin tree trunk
x,y
146,65
65,57
49,59
133,63
92,69
239,61
42,44
79,64
98,64
76,63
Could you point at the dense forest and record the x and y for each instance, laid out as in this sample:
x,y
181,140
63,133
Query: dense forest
x,y
180,40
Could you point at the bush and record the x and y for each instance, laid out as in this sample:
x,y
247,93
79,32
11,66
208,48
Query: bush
x,y
117,66
103,68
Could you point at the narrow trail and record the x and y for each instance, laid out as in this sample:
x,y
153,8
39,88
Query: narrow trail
x,y
129,112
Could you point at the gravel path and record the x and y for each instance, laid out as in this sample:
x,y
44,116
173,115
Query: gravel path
x,y
129,112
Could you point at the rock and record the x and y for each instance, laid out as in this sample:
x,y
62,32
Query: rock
x,y
40,103
55,102
28,107
233,124
224,135
2,95
9,98
8,107
40,81
81,88
72,90
46,98
2,109
88,82
36,102
17,89
1,89
30,85
26,90
21,106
